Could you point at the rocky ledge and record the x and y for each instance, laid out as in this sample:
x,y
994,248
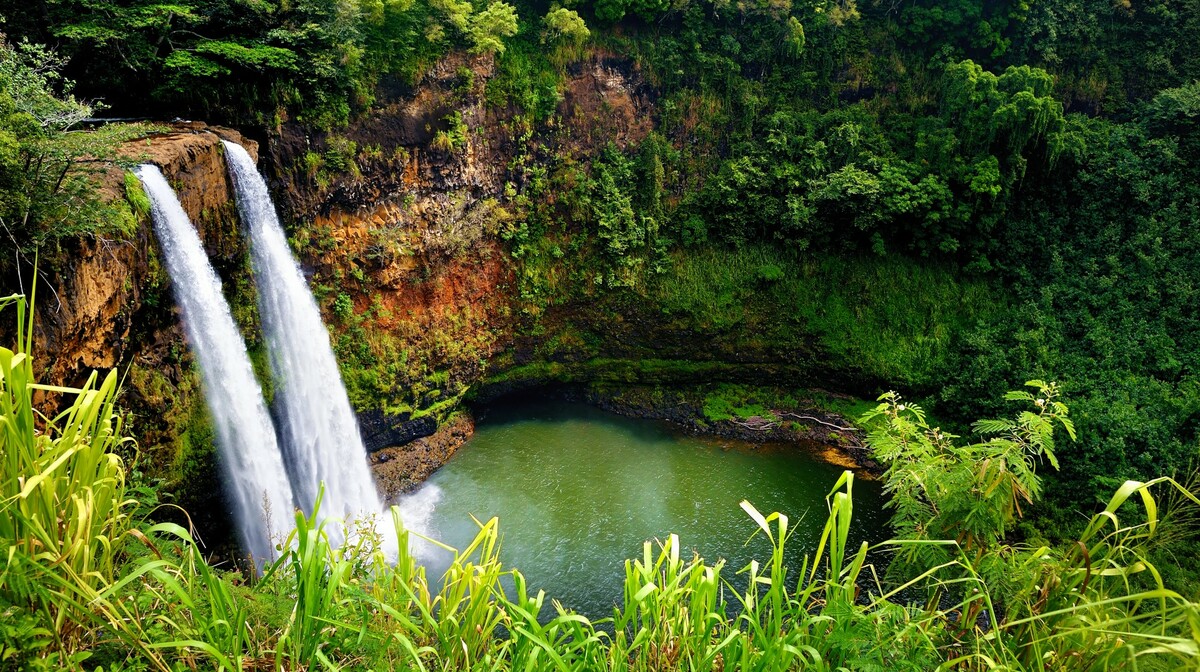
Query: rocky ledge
x,y
87,319
401,469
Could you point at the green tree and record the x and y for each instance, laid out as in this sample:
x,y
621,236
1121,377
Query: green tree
x,y
795,39
46,166
457,12
626,229
1007,113
970,493
564,24
487,29
610,11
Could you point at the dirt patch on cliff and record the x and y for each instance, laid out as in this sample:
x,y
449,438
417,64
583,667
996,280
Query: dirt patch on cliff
x,y
606,100
401,469
434,293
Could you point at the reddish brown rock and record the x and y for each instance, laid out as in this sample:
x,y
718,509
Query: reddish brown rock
x,y
87,305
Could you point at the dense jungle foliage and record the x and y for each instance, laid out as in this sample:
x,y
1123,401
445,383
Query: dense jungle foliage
x,y
834,171
1046,150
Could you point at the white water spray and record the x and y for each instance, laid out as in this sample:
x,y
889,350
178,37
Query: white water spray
x,y
254,469
320,433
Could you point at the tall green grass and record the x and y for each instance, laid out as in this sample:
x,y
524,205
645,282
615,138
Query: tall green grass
x,y
681,613
64,511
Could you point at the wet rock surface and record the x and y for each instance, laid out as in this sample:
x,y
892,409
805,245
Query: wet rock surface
x,y
400,469
380,430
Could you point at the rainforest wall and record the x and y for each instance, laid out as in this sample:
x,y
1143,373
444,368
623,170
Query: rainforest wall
x,y
936,197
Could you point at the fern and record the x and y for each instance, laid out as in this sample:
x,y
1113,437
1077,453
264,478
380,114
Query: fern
x,y
972,493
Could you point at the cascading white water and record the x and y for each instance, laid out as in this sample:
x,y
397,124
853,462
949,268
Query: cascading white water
x,y
319,429
246,438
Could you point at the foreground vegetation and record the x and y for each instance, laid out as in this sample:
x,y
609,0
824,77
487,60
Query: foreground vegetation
x,y
87,583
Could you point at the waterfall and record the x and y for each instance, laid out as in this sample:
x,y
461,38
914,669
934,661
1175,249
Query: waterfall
x,y
254,469
319,430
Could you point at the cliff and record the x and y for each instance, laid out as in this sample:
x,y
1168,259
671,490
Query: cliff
x,y
409,224
406,219
93,306
107,303
415,222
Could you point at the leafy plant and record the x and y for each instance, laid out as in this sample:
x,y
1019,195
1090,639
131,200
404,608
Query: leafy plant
x,y
971,493
62,484
452,138
47,166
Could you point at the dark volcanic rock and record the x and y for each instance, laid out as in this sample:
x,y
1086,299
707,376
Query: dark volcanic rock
x,y
380,430
401,469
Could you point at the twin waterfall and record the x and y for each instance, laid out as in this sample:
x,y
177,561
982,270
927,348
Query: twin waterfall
x,y
318,441
253,465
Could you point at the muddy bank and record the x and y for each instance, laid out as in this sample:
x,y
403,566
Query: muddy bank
x,y
400,469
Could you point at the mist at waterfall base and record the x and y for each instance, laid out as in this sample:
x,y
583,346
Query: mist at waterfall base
x,y
578,490
318,427
254,470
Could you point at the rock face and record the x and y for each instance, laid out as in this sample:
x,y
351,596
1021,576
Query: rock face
x,y
402,217
406,223
380,430
88,317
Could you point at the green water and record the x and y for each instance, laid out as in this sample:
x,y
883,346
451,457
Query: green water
x,y
578,490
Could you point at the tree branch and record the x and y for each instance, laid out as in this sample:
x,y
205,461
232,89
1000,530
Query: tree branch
x,y
818,420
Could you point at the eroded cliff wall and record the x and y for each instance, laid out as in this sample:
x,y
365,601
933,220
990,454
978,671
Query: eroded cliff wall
x,y
103,293
104,304
409,224
406,219
416,223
